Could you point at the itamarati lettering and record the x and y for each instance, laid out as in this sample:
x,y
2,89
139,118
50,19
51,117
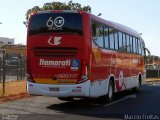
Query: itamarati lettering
x,y
43,62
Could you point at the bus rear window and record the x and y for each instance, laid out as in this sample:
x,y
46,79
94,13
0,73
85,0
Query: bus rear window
x,y
67,23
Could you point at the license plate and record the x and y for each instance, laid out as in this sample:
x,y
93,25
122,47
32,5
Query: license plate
x,y
55,89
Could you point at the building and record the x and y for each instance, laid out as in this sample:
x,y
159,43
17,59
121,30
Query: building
x,y
14,50
153,67
11,49
6,41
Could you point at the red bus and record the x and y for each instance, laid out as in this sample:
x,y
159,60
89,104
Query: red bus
x,y
76,54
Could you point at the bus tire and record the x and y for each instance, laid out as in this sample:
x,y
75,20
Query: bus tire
x,y
138,88
110,94
66,98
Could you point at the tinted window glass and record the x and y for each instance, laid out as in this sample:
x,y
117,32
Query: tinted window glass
x,y
97,34
106,37
120,42
124,42
134,45
56,23
111,38
99,40
116,39
131,43
128,44
139,47
142,47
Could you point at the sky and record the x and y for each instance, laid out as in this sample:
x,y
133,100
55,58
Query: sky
x,y
140,15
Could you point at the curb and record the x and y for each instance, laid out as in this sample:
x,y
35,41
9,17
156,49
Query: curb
x,y
155,80
13,97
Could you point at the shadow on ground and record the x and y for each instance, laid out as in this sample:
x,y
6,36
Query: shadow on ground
x,y
90,107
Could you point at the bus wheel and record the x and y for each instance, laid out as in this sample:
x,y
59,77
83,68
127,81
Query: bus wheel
x,y
110,91
109,96
66,98
137,89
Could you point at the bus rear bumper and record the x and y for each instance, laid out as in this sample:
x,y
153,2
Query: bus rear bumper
x,y
76,90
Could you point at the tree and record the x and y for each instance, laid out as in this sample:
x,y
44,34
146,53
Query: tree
x,y
57,6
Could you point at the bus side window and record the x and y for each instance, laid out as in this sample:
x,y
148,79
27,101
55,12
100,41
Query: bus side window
x,y
124,43
111,38
106,37
128,44
116,39
93,30
131,43
100,36
134,45
142,48
139,47
97,34
120,42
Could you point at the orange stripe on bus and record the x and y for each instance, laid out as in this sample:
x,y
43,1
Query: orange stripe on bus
x,y
51,81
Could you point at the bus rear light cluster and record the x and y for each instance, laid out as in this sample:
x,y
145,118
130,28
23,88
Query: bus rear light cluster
x,y
84,74
84,77
27,75
29,78
80,12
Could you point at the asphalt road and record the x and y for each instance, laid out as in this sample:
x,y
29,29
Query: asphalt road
x,y
145,106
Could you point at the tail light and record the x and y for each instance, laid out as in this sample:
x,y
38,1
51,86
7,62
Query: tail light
x,y
80,12
29,78
84,73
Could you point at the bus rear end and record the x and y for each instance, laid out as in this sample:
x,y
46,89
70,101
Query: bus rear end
x,y
56,55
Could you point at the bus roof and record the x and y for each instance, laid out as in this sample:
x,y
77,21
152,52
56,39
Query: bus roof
x,y
117,26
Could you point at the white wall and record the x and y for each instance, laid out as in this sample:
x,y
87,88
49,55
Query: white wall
x,y
6,41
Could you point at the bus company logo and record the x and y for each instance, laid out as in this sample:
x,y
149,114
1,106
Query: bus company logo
x,y
53,63
59,21
55,41
55,24
74,63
